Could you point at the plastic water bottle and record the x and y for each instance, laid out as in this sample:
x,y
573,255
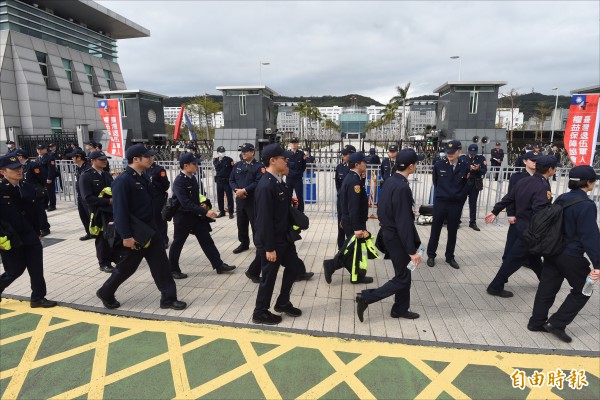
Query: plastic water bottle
x,y
411,265
588,288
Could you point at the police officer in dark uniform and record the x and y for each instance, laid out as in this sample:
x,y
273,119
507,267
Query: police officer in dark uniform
x,y
10,146
273,202
477,171
160,185
20,245
439,157
450,181
496,158
310,159
579,223
529,195
341,170
373,158
192,148
192,216
395,211
33,175
223,168
57,155
519,161
387,165
48,166
92,182
354,205
297,166
81,165
243,180
134,215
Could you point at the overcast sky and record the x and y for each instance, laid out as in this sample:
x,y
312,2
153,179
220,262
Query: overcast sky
x,y
364,47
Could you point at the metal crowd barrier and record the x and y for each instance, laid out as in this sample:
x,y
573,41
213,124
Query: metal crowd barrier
x,y
321,175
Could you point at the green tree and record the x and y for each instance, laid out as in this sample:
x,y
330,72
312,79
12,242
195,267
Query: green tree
x,y
401,99
542,110
204,107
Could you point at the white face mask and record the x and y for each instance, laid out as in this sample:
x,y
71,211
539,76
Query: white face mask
x,y
442,154
221,154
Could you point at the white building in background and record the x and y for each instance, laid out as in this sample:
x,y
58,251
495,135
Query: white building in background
x,y
504,116
332,113
171,114
288,120
421,113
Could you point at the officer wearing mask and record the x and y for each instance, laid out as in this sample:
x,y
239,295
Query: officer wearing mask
x,y
373,158
354,204
497,156
48,166
395,211
273,202
450,180
341,170
20,245
33,175
310,159
81,165
477,169
243,180
160,185
192,216
579,223
223,168
10,146
297,166
93,183
529,195
388,163
134,215
441,156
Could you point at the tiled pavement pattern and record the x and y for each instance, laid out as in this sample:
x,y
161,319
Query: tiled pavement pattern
x,y
63,353
453,304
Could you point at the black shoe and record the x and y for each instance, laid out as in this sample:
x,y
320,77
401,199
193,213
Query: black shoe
x,y
267,318
328,270
364,279
407,315
500,293
474,226
51,208
225,268
453,263
559,333
45,232
178,275
175,305
240,248
230,216
305,276
289,309
221,215
43,303
110,304
431,261
534,328
86,237
361,306
254,279
107,268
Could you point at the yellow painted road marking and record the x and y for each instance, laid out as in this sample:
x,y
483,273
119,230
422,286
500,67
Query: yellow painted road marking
x,y
180,377
100,361
260,373
443,382
26,335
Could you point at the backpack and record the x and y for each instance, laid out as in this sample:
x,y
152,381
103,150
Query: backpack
x,y
545,236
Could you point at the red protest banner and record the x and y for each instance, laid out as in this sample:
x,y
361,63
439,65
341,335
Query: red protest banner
x,y
581,132
110,113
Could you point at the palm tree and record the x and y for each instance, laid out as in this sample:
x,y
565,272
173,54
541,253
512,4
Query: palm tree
x,y
302,108
389,114
401,98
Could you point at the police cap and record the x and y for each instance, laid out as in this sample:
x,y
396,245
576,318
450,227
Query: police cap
x,y
531,155
246,147
272,150
41,146
546,161
372,150
77,153
294,140
393,148
9,161
497,143
21,152
188,158
583,173
139,150
453,146
98,155
10,142
220,149
357,157
473,148
406,157
51,145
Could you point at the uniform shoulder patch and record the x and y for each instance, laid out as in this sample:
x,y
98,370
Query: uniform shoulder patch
x,y
357,188
163,173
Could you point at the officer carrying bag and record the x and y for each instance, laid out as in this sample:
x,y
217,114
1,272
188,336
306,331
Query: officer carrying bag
x,y
169,209
545,236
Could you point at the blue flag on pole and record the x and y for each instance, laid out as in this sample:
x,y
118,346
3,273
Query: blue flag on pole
x,y
190,127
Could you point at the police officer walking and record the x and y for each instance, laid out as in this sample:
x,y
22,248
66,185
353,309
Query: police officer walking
x,y
20,245
497,156
273,202
81,165
134,218
450,180
94,184
243,180
395,211
47,163
477,169
341,170
160,185
529,195
387,165
192,216
297,166
34,176
579,223
223,168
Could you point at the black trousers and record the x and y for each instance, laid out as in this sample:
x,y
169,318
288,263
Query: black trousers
x,y
516,257
472,196
103,250
200,229
245,216
297,185
255,267
156,256
341,235
399,285
442,210
84,215
511,237
286,256
556,269
51,196
41,211
223,189
161,224
27,257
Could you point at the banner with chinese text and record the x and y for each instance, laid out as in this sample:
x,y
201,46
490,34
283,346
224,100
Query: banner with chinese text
x,y
581,132
110,113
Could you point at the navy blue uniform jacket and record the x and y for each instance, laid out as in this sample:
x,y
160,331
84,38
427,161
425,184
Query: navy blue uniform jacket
x,y
33,174
271,211
246,176
48,164
450,185
91,184
354,202
297,164
387,168
158,178
223,167
514,178
17,209
529,196
132,195
478,159
340,173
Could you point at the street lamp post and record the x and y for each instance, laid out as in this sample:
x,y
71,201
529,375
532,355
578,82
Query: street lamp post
x,y
459,64
206,116
260,64
554,115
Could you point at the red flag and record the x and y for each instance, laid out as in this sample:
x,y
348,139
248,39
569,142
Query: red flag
x,y
581,132
178,123
110,113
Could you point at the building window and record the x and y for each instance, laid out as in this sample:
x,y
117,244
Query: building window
x,y
43,61
68,66
109,80
56,126
89,72
473,100
242,105
123,107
